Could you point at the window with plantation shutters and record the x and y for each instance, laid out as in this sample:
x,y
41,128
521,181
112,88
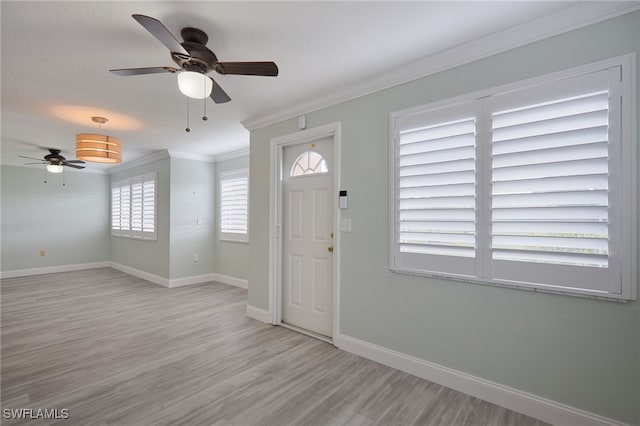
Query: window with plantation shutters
x,y
530,185
133,208
234,202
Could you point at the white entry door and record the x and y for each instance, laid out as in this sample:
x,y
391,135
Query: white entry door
x,y
307,219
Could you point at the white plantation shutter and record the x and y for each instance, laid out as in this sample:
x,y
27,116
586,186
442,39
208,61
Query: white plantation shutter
x,y
120,208
116,216
550,184
149,205
234,199
526,187
133,207
436,191
136,206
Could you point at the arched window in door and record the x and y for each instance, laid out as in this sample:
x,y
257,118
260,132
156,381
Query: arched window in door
x,y
308,163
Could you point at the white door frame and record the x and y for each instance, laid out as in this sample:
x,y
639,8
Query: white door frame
x,y
275,217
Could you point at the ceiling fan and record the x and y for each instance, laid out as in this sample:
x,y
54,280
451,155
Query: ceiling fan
x,y
55,161
195,61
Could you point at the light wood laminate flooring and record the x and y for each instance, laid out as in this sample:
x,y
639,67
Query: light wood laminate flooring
x,y
114,349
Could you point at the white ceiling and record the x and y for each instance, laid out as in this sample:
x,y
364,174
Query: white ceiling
x,y
56,57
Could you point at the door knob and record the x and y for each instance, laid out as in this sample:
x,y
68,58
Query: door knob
x,y
330,249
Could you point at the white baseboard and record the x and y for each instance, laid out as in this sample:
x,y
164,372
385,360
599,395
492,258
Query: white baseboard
x,y
195,279
198,279
258,314
504,396
53,269
237,282
164,282
180,282
156,279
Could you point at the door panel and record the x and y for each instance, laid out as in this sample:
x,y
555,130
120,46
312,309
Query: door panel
x,y
321,217
295,214
321,281
307,241
296,279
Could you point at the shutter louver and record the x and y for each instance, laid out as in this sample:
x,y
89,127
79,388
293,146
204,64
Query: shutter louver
x,y
437,189
550,182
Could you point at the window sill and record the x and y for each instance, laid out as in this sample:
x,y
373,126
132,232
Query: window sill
x,y
587,294
133,237
231,240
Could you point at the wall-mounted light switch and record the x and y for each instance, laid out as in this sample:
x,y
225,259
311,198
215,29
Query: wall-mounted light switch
x,y
196,258
345,225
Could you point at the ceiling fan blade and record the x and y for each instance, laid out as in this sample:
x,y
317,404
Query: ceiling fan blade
x,y
74,161
269,69
31,158
73,166
160,32
218,95
125,72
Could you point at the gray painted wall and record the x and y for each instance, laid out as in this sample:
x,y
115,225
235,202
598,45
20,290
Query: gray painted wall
x,y
148,256
71,222
192,197
232,258
580,352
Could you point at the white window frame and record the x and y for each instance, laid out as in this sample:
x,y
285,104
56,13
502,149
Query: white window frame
x,y
130,233
223,235
623,184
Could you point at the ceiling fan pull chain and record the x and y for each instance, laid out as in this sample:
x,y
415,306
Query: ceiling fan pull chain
x,y
187,129
204,98
64,180
204,117
45,175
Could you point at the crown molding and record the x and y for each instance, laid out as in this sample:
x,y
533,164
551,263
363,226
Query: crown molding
x,y
563,21
231,155
194,157
164,153
156,156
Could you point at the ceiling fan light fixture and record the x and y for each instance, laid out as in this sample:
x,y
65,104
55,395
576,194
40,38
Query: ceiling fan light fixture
x,y
194,84
98,148
54,168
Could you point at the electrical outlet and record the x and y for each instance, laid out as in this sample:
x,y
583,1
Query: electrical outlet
x,y
43,253
196,258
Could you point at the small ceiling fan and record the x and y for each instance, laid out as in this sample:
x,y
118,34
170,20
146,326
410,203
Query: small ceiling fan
x,y
195,61
55,161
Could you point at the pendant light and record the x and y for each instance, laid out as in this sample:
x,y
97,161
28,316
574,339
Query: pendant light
x,y
98,148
